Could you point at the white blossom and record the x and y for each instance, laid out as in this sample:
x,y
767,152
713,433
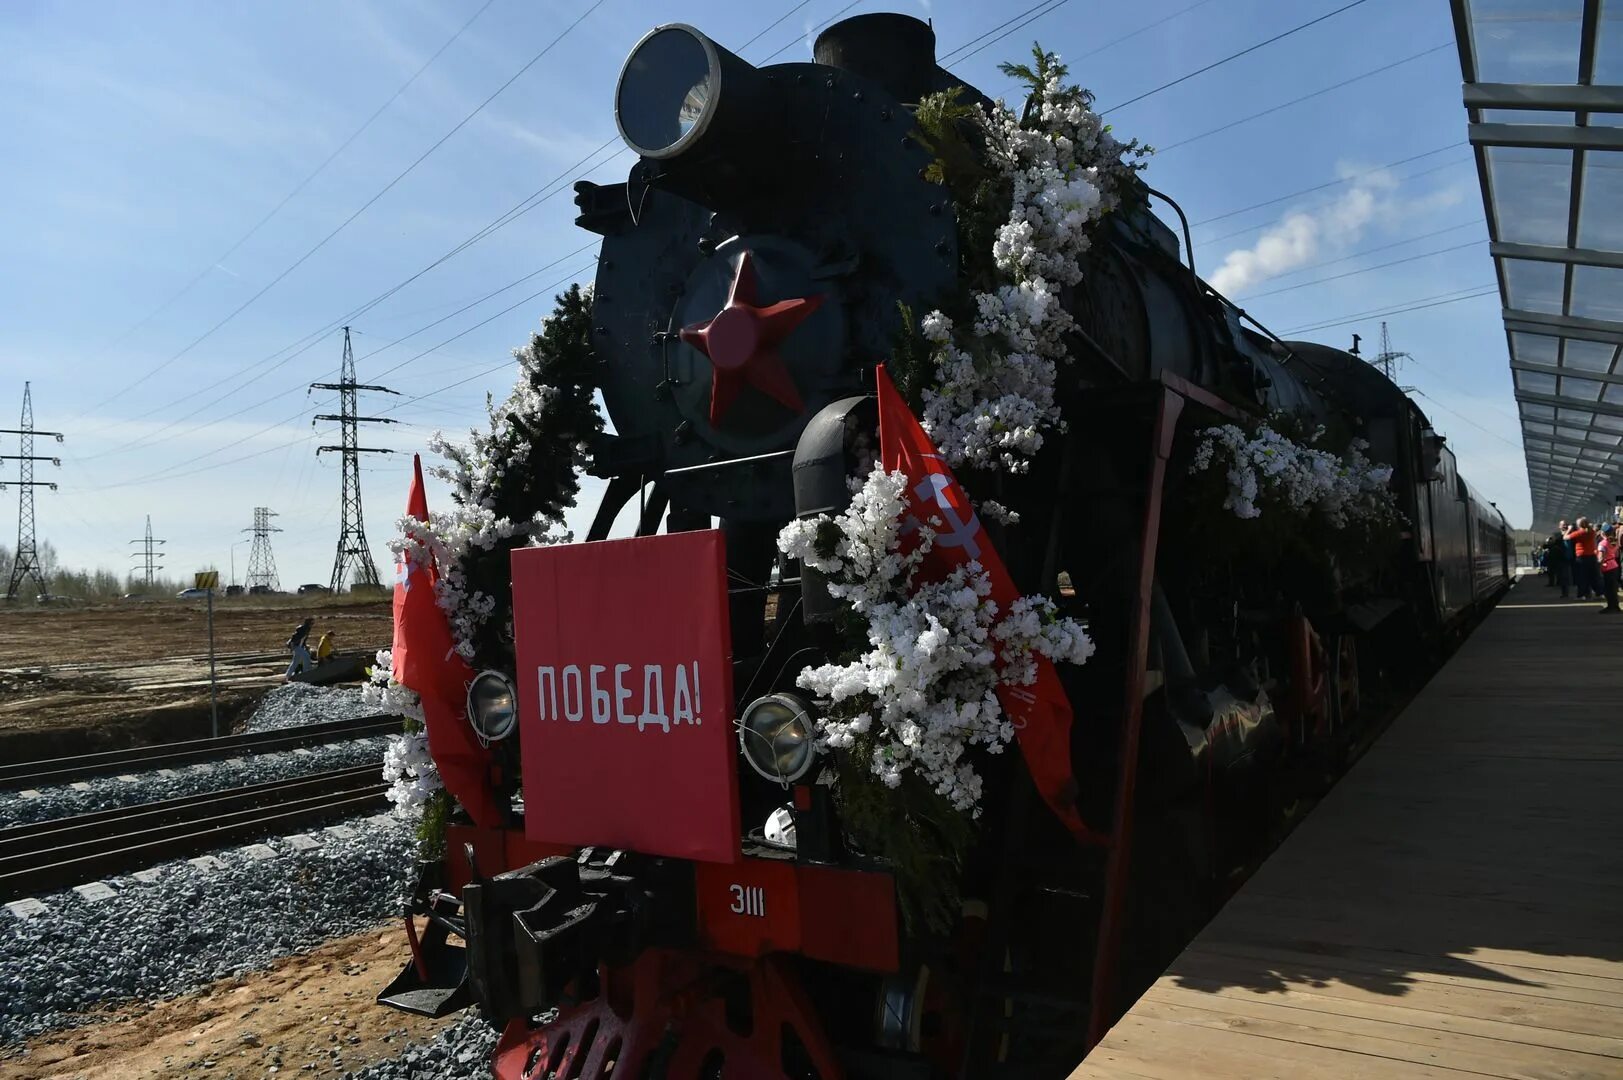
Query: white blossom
x,y
410,772
926,688
994,390
408,768
1304,479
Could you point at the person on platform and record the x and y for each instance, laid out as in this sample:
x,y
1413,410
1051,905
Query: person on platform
x,y
1606,548
1585,567
301,651
1556,557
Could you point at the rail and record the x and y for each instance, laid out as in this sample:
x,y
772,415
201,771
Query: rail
x,y
49,771
49,855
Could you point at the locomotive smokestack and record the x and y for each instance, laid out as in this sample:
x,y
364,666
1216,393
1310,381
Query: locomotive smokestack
x,y
896,51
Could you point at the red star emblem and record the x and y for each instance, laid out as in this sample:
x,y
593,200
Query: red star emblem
x,y
742,344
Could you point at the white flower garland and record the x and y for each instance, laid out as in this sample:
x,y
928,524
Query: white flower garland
x,y
408,768
927,688
1345,489
994,389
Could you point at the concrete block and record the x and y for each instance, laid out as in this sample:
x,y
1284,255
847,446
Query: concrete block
x,y
26,908
302,842
95,890
261,852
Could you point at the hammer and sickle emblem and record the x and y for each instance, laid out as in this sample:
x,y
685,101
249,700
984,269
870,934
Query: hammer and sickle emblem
x,y
959,533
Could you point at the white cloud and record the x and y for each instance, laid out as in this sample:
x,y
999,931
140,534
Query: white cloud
x,y
1303,235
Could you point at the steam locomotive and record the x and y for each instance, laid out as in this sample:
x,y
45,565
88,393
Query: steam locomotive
x,y
686,902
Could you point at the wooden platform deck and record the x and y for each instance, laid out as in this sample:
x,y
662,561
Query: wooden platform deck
x,y
1455,904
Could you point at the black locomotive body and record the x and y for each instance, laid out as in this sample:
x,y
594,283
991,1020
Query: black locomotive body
x,y
755,267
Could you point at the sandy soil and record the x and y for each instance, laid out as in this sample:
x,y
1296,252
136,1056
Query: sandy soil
x,y
109,675
316,1008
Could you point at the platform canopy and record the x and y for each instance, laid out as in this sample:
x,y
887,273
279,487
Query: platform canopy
x,y
1544,93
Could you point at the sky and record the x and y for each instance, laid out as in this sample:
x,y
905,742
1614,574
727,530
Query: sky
x,y
173,341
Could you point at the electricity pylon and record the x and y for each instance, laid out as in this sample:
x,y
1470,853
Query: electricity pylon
x,y
352,549
27,564
261,563
149,552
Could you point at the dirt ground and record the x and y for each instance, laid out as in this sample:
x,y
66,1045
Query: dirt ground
x,y
313,1010
101,676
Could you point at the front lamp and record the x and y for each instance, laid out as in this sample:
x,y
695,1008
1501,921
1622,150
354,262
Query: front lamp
x,y
492,706
778,737
679,89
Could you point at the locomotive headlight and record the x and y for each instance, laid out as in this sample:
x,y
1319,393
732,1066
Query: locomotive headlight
x,y
666,89
492,706
777,736
679,89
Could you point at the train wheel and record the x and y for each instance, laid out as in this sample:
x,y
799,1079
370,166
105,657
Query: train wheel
x,y
671,1014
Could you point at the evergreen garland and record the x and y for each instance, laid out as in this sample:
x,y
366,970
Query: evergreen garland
x,y
512,484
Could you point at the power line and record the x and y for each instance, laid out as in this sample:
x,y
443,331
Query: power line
x,y
309,341
1328,202
1112,43
366,205
1306,97
825,23
1468,420
1370,251
1364,270
773,24
1328,184
152,441
1234,56
170,473
1482,290
302,184
1047,7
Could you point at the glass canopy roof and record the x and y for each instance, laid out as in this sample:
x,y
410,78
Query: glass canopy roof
x,y
1544,93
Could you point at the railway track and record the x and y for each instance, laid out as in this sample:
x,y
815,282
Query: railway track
x,y
44,773
50,855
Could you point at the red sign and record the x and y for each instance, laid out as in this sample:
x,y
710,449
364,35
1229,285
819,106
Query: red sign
x,y
625,695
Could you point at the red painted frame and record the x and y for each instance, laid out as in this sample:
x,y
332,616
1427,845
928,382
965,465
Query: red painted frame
x,y
1174,395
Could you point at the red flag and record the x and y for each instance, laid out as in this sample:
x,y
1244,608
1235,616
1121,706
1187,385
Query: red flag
x,y
425,660
1040,713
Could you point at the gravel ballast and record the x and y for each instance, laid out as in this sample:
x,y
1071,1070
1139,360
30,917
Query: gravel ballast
x,y
460,1052
191,926
109,792
296,704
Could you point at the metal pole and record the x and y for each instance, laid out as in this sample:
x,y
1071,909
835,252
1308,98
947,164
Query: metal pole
x,y
214,690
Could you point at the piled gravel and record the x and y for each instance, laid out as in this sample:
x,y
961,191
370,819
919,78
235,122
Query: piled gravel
x,y
460,1052
296,704
190,925
108,792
